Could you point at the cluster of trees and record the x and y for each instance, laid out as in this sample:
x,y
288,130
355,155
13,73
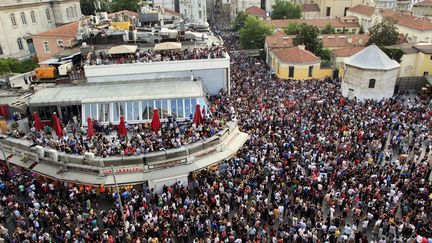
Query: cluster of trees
x,y
283,9
88,7
12,65
253,33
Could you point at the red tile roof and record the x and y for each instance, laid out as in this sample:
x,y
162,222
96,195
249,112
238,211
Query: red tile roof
x,y
295,55
320,23
409,21
255,11
363,10
347,52
67,30
171,12
424,3
125,12
310,8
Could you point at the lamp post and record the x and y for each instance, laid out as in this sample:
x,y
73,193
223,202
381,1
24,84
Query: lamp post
x,y
119,198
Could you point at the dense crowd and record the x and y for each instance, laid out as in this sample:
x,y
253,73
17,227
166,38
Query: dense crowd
x,y
141,138
140,56
317,168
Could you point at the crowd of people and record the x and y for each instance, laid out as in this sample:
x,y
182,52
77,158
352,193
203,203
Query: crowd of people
x,y
140,56
317,168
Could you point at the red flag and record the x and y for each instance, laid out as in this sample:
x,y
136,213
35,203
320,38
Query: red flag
x,y
38,124
57,125
122,127
89,127
156,124
197,116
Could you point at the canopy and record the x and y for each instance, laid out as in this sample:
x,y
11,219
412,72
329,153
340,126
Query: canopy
x,y
168,46
89,127
122,127
123,49
37,121
197,116
57,125
155,124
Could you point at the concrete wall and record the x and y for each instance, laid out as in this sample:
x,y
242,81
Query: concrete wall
x,y
213,72
54,48
357,80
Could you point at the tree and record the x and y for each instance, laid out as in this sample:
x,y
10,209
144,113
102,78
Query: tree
x,y
308,36
88,6
328,29
283,9
253,34
12,65
384,33
393,53
131,5
292,28
239,21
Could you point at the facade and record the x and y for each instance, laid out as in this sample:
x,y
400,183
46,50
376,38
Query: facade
x,y
20,20
310,11
266,5
416,60
341,25
257,12
298,64
336,8
364,14
194,11
422,9
369,74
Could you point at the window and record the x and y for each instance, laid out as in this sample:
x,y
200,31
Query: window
x,y
23,18
13,20
104,112
187,105
425,73
1,51
372,83
180,113
291,72
310,71
48,14
118,108
147,109
75,11
345,11
328,10
132,111
60,43
32,16
20,44
430,57
46,46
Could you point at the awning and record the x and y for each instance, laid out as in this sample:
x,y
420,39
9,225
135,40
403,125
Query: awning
x,y
17,160
168,46
52,171
123,49
2,157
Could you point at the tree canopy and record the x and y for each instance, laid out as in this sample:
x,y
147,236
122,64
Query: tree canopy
x,y
12,65
88,6
131,5
239,21
253,33
292,28
384,33
328,29
283,9
308,36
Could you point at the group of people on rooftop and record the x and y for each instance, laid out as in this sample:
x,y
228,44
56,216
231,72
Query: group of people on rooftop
x,y
317,168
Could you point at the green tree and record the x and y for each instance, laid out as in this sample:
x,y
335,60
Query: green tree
x,y
131,5
88,6
384,33
308,36
292,28
283,9
393,53
328,29
253,34
12,65
239,21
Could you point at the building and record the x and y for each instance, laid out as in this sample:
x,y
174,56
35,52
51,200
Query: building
x,y
369,74
257,12
422,9
310,11
364,14
194,11
297,63
341,25
336,8
20,20
265,5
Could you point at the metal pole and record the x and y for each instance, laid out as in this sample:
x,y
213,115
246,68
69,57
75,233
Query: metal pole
x,y
4,155
119,198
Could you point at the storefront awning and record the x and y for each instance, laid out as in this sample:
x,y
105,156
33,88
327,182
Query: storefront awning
x,y
17,160
52,172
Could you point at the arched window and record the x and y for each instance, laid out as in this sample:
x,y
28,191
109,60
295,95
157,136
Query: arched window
x,y
23,18
32,16
48,14
20,44
372,83
13,20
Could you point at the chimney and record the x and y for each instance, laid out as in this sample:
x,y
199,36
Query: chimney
x,y
302,47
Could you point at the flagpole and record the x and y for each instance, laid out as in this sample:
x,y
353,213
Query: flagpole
x,y
119,198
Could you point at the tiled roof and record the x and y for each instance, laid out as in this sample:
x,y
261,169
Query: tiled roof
x,y
254,10
68,30
280,40
372,58
124,12
409,21
171,12
320,23
295,55
363,10
347,52
424,3
310,8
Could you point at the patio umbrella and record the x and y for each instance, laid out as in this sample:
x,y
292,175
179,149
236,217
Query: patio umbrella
x,y
122,127
155,124
38,124
168,46
57,125
89,127
197,116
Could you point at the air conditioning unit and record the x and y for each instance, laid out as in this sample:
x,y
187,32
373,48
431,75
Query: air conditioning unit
x,y
39,151
53,154
89,155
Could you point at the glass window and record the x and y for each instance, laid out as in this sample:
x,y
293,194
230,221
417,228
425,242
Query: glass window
x,y
187,107
164,110
129,111
118,108
158,105
41,111
23,18
145,110
174,108
32,16
48,14
20,44
193,105
93,111
180,113
46,46
136,111
87,111
104,112
13,20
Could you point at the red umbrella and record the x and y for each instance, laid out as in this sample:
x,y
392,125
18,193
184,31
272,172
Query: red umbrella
x,y
197,116
89,127
57,125
38,124
122,127
156,124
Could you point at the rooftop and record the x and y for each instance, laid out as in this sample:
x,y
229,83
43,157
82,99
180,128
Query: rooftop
x,y
68,30
295,55
256,11
320,23
409,21
313,7
171,12
363,10
372,58
424,3
347,52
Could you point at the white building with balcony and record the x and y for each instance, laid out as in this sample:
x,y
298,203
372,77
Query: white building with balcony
x,y
195,11
21,19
